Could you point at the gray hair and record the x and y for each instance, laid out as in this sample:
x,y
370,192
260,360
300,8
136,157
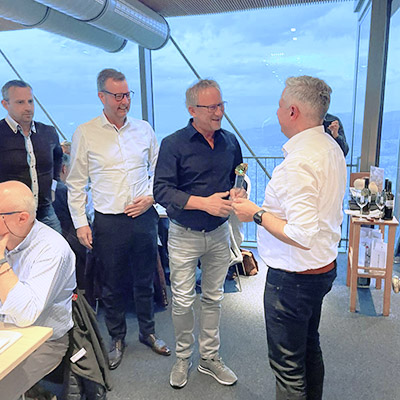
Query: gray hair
x,y
10,84
107,74
312,92
192,93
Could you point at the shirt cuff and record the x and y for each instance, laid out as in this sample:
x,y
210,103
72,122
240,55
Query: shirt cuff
x,y
53,185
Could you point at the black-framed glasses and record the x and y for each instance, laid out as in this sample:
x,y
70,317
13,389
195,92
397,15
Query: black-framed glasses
x,y
120,96
213,107
10,213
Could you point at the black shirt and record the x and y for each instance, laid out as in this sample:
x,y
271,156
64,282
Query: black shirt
x,y
187,165
13,158
341,139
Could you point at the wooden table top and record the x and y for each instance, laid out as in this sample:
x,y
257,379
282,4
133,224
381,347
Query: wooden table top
x,y
32,337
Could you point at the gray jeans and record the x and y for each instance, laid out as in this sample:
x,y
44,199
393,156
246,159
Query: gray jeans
x,y
39,364
185,248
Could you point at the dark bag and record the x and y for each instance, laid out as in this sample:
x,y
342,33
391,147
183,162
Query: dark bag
x,y
250,265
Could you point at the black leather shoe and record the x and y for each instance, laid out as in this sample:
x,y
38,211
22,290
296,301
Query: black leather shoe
x,y
156,344
116,353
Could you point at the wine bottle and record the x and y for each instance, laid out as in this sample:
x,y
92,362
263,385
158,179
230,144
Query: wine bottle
x,y
389,204
367,195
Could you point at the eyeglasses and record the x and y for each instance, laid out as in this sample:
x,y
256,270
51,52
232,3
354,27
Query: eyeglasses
x,y
213,107
10,213
120,96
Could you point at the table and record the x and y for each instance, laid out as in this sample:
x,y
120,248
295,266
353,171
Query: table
x,y
377,273
32,338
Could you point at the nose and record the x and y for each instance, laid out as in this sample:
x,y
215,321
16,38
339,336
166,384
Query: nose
x,y
219,111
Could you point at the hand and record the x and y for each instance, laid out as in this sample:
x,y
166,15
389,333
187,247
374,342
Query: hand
x,y
245,209
3,243
84,234
238,192
334,128
218,206
139,206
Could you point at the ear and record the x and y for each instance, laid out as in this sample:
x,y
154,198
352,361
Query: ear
x,y
24,217
64,169
101,96
192,111
294,112
5,104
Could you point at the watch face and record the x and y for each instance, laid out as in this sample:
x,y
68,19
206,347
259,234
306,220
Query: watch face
x,y
258,217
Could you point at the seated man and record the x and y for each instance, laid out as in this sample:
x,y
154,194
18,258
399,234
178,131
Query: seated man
x,y
37,278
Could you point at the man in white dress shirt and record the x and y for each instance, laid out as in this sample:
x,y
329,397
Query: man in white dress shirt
x,y
298,237
118,154
37,279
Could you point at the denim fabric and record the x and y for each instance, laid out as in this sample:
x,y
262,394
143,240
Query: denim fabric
x,y
292,306
127,246
185,248
48,216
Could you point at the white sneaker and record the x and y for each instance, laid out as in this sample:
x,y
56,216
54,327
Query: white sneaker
x,y
179,372
218,370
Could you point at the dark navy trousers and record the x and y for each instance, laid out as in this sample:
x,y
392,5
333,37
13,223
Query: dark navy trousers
x,y
292,306
127,247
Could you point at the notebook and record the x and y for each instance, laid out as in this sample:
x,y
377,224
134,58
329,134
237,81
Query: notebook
x,y
7,338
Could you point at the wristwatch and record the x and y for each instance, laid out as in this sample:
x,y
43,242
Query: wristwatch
x,y
257,217
3,261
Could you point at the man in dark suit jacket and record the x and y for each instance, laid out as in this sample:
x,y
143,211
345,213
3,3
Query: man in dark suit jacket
x,y
334,127
30,151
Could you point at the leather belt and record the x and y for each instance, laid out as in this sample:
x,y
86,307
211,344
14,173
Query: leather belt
x,y
322,270
191,229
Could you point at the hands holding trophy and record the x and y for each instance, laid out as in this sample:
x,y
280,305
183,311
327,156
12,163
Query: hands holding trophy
x,y
239,189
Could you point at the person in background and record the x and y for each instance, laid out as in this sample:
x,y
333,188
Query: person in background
x,y
30,151
298,235
118,154
60,205
194,174
334,127
37,279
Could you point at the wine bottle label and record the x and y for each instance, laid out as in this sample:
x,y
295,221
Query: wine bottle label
x,y
389,203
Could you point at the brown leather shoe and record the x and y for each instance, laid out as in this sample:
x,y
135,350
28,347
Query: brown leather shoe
x,y
155,344
116,353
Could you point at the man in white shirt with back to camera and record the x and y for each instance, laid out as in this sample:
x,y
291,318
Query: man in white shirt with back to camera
x,y
118,154
298,237
37,279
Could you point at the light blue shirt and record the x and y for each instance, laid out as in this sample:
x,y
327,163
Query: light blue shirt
x,y
45,266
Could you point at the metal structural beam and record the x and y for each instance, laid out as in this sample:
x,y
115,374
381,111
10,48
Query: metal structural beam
x,y
146,85
375,86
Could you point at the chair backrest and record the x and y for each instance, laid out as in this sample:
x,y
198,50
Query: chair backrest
x,y
357,175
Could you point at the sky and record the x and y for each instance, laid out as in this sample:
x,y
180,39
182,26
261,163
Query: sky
x,y
249,53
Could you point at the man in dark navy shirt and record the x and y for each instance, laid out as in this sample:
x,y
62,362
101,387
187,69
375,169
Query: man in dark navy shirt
x,y
193,180
30,152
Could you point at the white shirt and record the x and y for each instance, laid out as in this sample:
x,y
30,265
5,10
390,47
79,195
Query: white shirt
x,y
307,191
119,162
30,155
45,266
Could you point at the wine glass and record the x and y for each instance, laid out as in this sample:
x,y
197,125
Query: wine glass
x,y
380,200
361,200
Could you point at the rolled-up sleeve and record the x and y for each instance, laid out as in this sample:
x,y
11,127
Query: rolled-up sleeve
x,y
300,202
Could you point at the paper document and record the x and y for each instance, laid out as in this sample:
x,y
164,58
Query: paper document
x,y
7,338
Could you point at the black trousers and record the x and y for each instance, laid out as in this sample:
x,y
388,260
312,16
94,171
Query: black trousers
x,y
127,246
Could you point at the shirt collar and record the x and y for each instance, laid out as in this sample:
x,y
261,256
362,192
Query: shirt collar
x,y
106,122
26,242
15,126
294,141
192,131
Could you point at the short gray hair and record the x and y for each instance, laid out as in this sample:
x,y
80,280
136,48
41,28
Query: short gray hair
x,y
314,93
107,74
192,93
14,83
